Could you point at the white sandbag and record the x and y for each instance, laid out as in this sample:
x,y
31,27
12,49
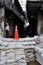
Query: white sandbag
x,y
19,51
10,50
22,63
3,53
40,50
10,55
18,57
2,62
12,63
42,55
9,60
1,43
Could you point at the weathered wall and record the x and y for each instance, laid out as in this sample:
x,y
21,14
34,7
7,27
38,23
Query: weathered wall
x,y
2,20
40,24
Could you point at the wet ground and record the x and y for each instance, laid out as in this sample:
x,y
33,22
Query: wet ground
x,y
33,63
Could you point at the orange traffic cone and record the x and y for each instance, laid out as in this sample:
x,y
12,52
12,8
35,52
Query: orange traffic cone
x,y
16,36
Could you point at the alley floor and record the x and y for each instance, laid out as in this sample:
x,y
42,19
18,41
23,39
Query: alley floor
x,y
33,63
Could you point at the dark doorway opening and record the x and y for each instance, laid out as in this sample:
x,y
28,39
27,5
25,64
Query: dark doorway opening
x,y
32,28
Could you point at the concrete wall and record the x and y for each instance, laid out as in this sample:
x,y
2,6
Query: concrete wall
x,y
1,1
7,2
2,12
40,24
2,20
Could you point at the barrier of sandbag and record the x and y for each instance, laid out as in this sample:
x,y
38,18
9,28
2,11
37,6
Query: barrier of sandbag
x,y
12,54
15,52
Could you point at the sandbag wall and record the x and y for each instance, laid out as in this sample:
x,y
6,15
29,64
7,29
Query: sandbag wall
x,y
12,54
29,53
16,52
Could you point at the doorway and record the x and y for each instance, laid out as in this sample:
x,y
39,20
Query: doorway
x,y
32,29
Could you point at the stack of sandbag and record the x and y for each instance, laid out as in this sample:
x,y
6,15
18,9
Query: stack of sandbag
x,y
39,54
0,33
41,41
30,55
2,57
13,54
2,53
29,52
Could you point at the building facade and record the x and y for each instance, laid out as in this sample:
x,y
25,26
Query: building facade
x,y
15,14
35,16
